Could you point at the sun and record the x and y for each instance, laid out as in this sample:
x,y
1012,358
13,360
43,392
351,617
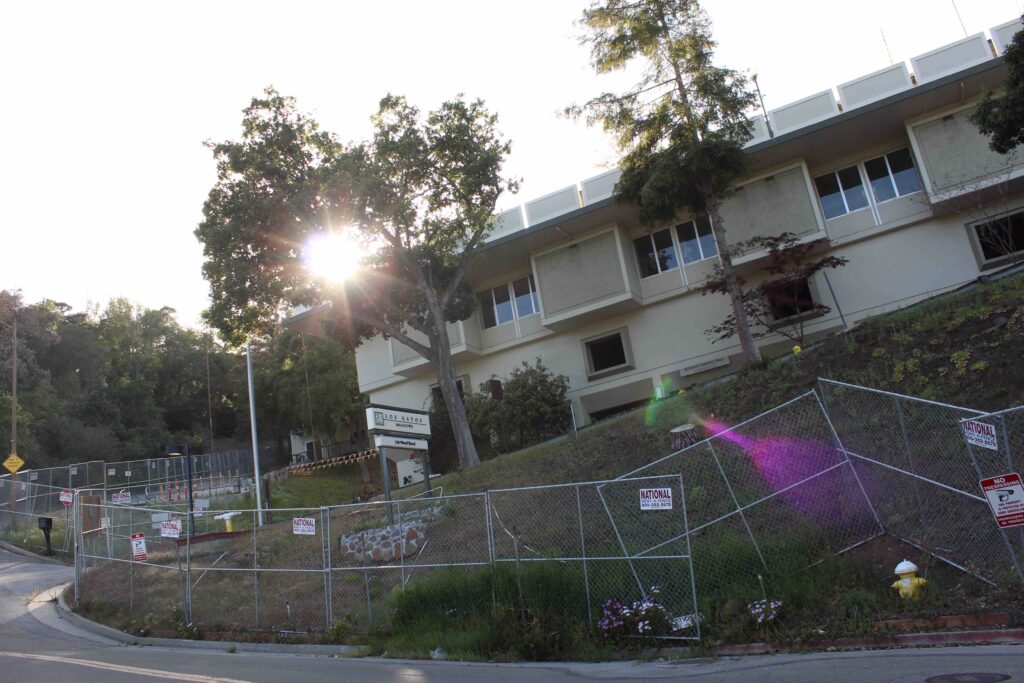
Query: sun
x,y
332,257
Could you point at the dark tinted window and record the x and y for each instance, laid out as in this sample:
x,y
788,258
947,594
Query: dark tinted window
x,y
607,352
487,309
1001,237
791,299
645,256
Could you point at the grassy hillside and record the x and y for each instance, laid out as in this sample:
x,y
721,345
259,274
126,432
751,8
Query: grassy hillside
x,y
963,348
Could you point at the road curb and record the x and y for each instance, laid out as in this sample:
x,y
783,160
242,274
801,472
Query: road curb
x,y
17,550
1010,636
64,612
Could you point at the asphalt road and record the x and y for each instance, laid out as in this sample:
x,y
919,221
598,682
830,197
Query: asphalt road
x,y
36,645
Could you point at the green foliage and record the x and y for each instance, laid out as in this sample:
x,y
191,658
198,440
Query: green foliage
x,y
484,614
534,408
121,382
420,193
790,266
1001,115
681,128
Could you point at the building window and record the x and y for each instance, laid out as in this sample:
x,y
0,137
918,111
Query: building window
x,y
841,192
438,398
791,299
498,308
892,175
525,292
696,240
655,253
1001,238
608,353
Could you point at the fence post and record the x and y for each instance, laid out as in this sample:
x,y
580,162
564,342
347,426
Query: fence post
x,y
913,469
583,552
188,573
78,548
490,547
255,569
401,541
735,502
846,457
325,550
689,553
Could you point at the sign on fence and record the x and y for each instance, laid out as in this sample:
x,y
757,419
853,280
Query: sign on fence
x,y
656,499
980,434
139,548
1005,494
121,498
67,497
170,528
304,526
13,463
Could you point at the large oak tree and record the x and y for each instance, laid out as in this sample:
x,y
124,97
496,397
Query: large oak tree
x,y
419,195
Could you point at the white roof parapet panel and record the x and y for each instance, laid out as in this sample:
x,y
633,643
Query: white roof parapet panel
x,y
875,86
951,58
600,186
758,130
551,205
1002,35
804,112
507,222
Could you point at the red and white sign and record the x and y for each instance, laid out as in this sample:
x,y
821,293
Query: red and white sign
x,y
980,434
656,499
170,528
139,548
304,526
1006,496
67,497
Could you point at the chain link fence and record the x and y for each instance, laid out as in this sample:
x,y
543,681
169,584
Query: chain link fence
x,y
774,493
923,476
306,570
810,479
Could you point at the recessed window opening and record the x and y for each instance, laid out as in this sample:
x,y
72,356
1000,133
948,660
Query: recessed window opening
x,y
891,175
792,298
1001,238
608,353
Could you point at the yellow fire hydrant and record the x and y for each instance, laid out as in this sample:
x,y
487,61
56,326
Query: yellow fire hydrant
x,y
909,584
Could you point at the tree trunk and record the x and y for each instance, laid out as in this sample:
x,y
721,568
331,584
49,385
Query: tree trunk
x,y
732,285
448,382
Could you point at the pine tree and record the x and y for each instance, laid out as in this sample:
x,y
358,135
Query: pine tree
x,y
681,128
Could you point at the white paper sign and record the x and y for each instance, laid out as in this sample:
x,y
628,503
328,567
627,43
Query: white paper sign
x,y
304,526
121,498
170,528
980,434
656,499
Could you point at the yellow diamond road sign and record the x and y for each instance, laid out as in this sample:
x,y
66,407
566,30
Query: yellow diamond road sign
x,y
13,463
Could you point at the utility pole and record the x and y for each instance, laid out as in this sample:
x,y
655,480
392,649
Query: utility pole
x,y
14,415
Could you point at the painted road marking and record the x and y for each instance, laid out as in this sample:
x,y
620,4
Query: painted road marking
x,y
156,673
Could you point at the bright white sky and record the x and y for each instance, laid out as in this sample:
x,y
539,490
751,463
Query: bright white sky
x,y
107,104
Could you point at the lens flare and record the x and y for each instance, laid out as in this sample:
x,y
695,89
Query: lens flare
x,y
332,257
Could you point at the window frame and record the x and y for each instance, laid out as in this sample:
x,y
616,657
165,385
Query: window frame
x,y
865,180
507,285
861,174
985,263
696,233
892,177
649,236
627,352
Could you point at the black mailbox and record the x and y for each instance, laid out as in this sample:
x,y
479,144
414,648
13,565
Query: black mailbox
x,y
46,523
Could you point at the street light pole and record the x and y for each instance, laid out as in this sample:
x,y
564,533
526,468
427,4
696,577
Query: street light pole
x,y
255,438
14,385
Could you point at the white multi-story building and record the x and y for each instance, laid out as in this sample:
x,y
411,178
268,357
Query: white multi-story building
x,y
890,175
